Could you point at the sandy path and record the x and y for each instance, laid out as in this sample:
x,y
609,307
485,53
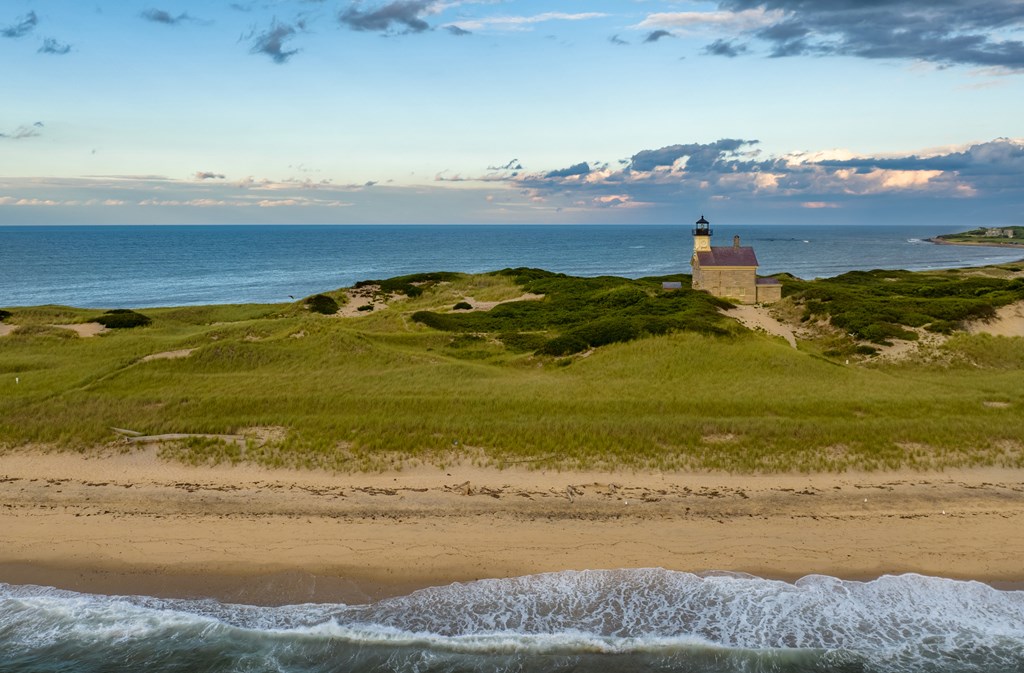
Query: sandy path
x,y
6,329
131,523
758,318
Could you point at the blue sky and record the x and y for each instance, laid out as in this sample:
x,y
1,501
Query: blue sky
x,y
321,111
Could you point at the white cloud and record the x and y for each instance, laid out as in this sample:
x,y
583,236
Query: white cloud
x,y
904,179
767,180
884,180
618,201
522,22
746,20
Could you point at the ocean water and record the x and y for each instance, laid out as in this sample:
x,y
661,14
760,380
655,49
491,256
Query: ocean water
x,y
140,266
614,621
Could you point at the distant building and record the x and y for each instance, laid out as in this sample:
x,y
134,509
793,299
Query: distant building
x,y
995,232
729,272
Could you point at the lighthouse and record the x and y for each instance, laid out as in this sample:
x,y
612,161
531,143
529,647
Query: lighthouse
x,y
729,272
701,236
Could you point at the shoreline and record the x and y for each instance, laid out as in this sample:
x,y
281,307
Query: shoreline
x,y
131,524
939,241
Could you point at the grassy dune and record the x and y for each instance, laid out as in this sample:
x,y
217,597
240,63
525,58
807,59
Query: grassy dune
x,y
383,390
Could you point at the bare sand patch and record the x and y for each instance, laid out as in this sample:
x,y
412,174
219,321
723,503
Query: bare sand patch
x,y
488,305
759,319
1009,321
6,329
85,329
904,349
169,355
368,295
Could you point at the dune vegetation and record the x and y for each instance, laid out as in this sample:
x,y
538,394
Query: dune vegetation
x,y
598,373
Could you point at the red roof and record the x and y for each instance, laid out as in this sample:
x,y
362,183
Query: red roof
x,y
727,256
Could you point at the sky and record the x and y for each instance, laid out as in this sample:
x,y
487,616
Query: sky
x,y
512,111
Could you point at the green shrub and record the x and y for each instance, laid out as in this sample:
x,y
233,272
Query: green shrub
x,y
462,306
567,344
622,296
411,285
606,331
916,319
520,342
588,312
943,326
321,303
4,315
880,333
123,318
365,307
656,325
434,320
878,305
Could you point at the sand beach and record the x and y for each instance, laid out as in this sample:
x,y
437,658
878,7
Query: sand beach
x,y
129,523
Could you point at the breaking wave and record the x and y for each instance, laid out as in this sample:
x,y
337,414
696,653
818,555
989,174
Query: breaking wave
x,y
615,620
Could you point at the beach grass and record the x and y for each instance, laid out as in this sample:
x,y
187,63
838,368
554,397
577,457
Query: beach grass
x,y
384,391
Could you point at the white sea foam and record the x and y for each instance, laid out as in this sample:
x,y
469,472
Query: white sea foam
x,y
907,622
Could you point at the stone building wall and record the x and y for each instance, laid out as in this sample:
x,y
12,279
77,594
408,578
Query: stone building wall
x,y
769,294
733,283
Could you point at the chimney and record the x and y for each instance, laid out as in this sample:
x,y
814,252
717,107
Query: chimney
x,y
736,242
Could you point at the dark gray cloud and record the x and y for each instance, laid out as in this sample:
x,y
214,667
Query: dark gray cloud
x,y
944,32
455,30
271,42
389,17
656,35
700,157
164,17
513,165
582,168
23,132
23,27
207,175
726,48
52,46
615,39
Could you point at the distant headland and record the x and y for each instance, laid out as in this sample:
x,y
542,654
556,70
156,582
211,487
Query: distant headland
x,y
1011,237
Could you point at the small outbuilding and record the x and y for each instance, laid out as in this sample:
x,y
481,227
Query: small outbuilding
x,y
729,272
